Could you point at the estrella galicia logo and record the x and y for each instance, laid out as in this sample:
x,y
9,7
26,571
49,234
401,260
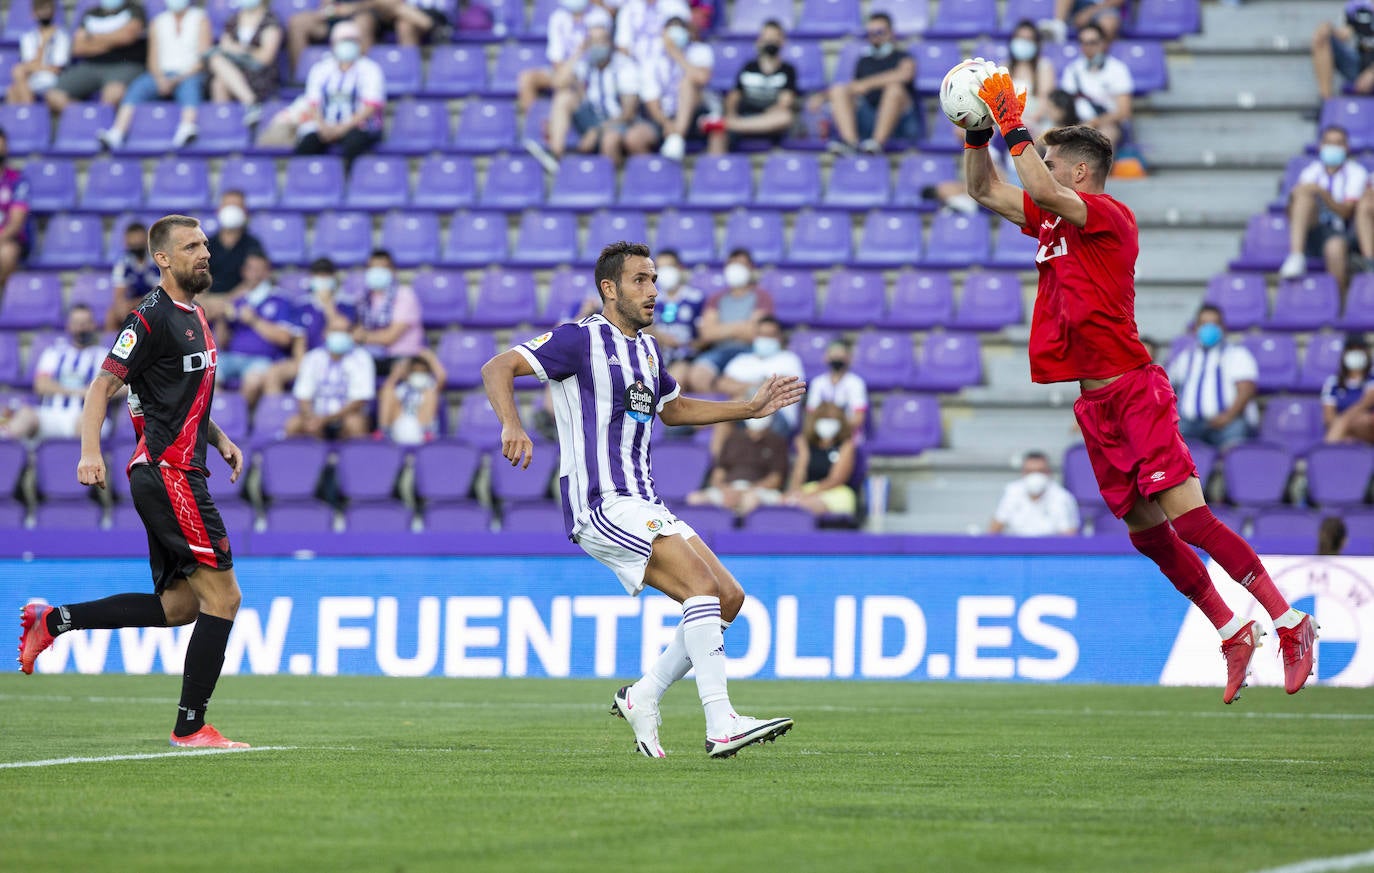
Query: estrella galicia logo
x,y
639,402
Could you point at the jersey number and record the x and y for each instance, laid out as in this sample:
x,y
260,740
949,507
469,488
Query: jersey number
x,y
1046,253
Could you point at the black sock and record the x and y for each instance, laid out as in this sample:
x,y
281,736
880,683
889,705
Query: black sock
x,y
121,610
204,659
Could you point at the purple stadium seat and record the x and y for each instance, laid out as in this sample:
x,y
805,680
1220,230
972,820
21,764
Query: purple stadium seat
x,y
962,19
230,412
1338,474
761,232
291,469
908,425
13,459
52,464
282,235
456,71
1265,244
69,242
379,518
26,128
77,127
1323,359
457,518
539,18
444,471
513,182
421,126
367,470
934,57
789,181
1257,474
567,289
93,289
1164,19
1291,172
651,182
312,55
401,66
476,424
68,516
780,520
810,346
606,226
692,233
1145,59
181,185
309,518
1359,303
721,181
1276,525
949,362
829,18
884,359
411,237
52,184
1079,478
443,296
679,468
809,59
475,239
1242,297
540,516
583,182
256,177
545,239
747,19
793,292
918,172
508,20
221,130
1277,357
1305,304
152,128
313,183
1018,10
1359,524
707,521
463,352
990,301
1013,249
378,182
536,125
730,57
859,182
921,300
345,237
513,59
270,417
505,298
909,17
1204,459
10,371
821,238
1293,422
514,484
1356,115
445,182
856,298
890,238
850,52
113,185
958,240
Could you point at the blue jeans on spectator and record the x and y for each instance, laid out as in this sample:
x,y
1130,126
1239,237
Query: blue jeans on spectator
x,y
1238,431
909,127
188,92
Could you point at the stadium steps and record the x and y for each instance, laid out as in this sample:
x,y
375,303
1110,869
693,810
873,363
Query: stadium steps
x,y
1260,27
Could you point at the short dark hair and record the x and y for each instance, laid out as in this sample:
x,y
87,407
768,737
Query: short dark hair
x,y
1331,534
881,16
135,225
1026,22
77,306
1094,26
670,253
768,319
1210,307
1036,455
611,262
741,253
160,235
1086,144
382,253
772,22
234,192
1345,134
322,265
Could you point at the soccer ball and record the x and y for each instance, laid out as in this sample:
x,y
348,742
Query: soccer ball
x,y
959,95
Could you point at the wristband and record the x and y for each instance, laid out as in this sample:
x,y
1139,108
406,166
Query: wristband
x,y
1017,140
977,139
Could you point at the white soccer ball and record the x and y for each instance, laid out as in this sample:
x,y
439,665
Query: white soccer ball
x,y
959,94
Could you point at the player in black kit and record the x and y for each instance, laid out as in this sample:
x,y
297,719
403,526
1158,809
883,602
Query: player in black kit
x,y
166,354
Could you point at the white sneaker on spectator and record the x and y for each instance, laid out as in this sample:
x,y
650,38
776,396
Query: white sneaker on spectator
x,y
547,159
110,139
674,147
871,147
1294,266
252,114
186,131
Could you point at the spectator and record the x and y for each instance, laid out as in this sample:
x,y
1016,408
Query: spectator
x,y
389,323
639,27
1034,74
880,101
728,323
676,313
768,356
1035,505
255,331
1331,535
824,464
343,105
570,25
18,420
14,215
763,102
1321,209
750,470
1346,47
1078,14
64,372
111,43
1095,88
842,387
335,385
231,243
133,277
43,53
672,87
1215,383
596,94
243,66
413,21
411,400
309,320
317,25
178,40
1348,396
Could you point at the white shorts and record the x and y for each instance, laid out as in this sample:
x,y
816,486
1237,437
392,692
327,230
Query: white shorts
x,y
621,535
59,423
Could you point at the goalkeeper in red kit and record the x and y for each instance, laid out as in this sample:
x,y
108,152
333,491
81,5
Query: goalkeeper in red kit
x,y
1083,329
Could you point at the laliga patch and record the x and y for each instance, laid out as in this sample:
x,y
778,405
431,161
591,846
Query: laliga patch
x,y
124,346
538,341
654,525
639,403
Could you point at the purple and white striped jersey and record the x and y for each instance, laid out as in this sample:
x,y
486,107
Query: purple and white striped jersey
x,y
606,388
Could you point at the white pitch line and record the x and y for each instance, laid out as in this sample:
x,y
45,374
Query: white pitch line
x,y
1326,865
101,759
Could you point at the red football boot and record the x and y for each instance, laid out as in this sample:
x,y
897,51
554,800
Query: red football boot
x,y
33,634
1238,651
206,738
1296,644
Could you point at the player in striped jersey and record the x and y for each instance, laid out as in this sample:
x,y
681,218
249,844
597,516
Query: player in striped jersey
x,y
607,386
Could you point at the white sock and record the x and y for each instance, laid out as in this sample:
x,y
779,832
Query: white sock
x,y
671,666
1290,618
705,644
1231,628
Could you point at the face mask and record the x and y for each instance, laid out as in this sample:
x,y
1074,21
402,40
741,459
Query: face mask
x,y
346,51
1036,483
679,35
45,21
85,337
1355,360
770,50
321,285
836,365
139,252
377,278
1024,49
1098,62
338,342
598,54
881,51
737,275
767,346
111,5
1209,335
828,428
232,217
249,4
575,6
178,5
758,424
669,277
1332,155
261,292
419,381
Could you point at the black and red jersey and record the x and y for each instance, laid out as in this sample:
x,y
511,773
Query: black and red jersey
x,y
166,353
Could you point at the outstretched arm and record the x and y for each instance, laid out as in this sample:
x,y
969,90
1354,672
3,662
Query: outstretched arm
x,y
776,393
498,378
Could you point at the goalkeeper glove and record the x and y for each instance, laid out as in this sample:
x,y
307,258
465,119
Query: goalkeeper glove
x,y
1005,104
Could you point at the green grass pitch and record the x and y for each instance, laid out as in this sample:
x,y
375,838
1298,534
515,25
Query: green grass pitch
x,y
441,775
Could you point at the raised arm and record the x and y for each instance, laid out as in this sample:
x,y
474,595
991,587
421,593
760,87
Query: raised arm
x,y
498,378
987,188
774,394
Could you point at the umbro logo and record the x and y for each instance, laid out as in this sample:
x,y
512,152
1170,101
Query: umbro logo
x,y
1157,475
190,334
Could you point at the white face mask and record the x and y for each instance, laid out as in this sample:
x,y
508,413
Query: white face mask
x,y
346,51
1355,360
767,346
260,292
679,35
377,278
177,5
669,277
1023,49
757,424
737,275
338,342
575,6
232,217
828,428
420,381
321,285
1036,483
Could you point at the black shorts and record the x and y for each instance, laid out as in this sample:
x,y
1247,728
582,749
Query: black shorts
x,y
1314,244
185,531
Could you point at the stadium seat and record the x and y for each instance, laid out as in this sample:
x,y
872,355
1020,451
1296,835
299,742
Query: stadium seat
x,y
1293,422
12,514
921,300
958,240
230,413
345,237
256,177
1256,474
1164,19
221,130
1273,525
152,129
1024,10
1265,243
934,57
512,60
419,127
26,128
366,471
1305,304
780,520
513,484
793,293
94,289
401,66
456,71
583,182
731,54
1356,115
69,242
707,521
508,20
909,17
475,239
513,182
758,231
747,19
537,123
608,225
691,233
444,183
378,182
828,18
855,298
52,184
907,425
1204,459
1338,474
651,182
1243,299
539,517
316,518
1277,357
181,185
545,239
68,516
270,418
567,289
313,183
1013,249
52,466
890,238
991,301
809,59
859,182
1359,303
810,345
962,19
379,518
884,359
789,181
477,424
917,172
1145,59
720,182
457,518
113,185
10,373
411,237
291,470
463,352
1322,360
443,296
505,297
282,235
77,126
312,55
444,472
679,468
540,12
949,362
820,238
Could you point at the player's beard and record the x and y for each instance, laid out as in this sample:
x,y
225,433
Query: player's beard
x,y
192,282
632,314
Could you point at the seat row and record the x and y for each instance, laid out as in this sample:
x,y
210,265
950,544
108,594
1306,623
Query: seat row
x,y
1309,303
